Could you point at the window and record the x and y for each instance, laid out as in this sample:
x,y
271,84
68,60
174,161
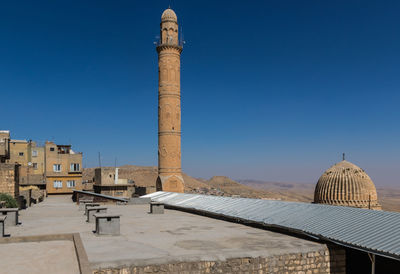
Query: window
x,y
71,183
34,153
21,154
52,149
57,184
75,167
57,168
34,165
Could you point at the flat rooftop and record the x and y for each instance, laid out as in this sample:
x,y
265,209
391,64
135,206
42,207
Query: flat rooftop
x,y
148,239
39,257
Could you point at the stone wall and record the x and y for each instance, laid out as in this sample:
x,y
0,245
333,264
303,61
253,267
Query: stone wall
x,y
332,260
76,196
29,195
25,198
9,179
120,191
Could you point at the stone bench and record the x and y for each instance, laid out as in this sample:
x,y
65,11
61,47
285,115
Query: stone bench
x,y
156,208
82,203
107,224
12,216
2,220
90,211
88,205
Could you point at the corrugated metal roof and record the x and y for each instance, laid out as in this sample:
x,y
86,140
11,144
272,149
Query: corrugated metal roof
x,y
369,230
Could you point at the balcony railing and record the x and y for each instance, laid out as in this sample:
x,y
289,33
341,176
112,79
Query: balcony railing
x,y
169,43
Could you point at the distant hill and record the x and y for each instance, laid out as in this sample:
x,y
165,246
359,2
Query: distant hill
x,y
230,187
291,191
218,185
223,186
389,197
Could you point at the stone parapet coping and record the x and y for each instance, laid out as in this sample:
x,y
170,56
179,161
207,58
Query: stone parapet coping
x,y
8,209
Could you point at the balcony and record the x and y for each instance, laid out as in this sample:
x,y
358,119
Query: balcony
x,y
169,43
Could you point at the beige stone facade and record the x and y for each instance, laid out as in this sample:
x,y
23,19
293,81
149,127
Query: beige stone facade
x,y
9,179
37,158
31,159
169,106
4,145
329,261
18,151
63,169
9,172
107,182
55,168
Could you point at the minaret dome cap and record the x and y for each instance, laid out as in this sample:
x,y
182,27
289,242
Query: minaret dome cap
x,y
169,14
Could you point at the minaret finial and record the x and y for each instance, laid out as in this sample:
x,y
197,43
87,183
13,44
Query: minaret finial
x,y
344,158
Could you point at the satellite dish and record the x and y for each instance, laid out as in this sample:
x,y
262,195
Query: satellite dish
x,y
29,163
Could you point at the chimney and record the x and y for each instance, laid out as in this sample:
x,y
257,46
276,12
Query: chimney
x,y
116,176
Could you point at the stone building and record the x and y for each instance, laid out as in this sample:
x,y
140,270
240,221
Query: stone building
x,y
63,168
30,157
19,155
346,184
169,49
107,182
36,164
55,168
9,180
4,145
9,172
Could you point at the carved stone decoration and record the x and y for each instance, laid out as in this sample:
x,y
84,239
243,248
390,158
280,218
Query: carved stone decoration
x,y
169,112
163,152
178,112
346,184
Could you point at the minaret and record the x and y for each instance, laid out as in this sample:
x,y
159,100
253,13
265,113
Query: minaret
x,y
169,105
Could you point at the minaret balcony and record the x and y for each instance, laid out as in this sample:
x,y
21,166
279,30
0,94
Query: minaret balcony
x,y
169,44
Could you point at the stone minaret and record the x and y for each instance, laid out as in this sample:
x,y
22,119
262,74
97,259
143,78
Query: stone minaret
x,y
169,105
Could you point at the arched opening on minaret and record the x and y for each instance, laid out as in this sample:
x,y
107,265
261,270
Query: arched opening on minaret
x,y
158,184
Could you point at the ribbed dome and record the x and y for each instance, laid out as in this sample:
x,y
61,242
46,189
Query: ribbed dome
x,y
348,185
169,14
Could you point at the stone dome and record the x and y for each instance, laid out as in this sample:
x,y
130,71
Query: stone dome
x,y
346,184
169,14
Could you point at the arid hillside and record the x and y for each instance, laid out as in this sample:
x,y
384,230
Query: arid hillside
x,y
291,191
217,185
224,186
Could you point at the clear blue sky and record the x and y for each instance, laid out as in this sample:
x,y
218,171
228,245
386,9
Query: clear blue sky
x,y
271,90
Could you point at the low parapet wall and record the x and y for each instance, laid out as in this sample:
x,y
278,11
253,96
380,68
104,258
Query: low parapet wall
x,y
330,260
96,197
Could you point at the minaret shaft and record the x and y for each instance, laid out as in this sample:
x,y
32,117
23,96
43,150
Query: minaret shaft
x,y
169,106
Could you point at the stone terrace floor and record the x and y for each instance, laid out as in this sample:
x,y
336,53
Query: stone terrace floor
x,y
156,239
